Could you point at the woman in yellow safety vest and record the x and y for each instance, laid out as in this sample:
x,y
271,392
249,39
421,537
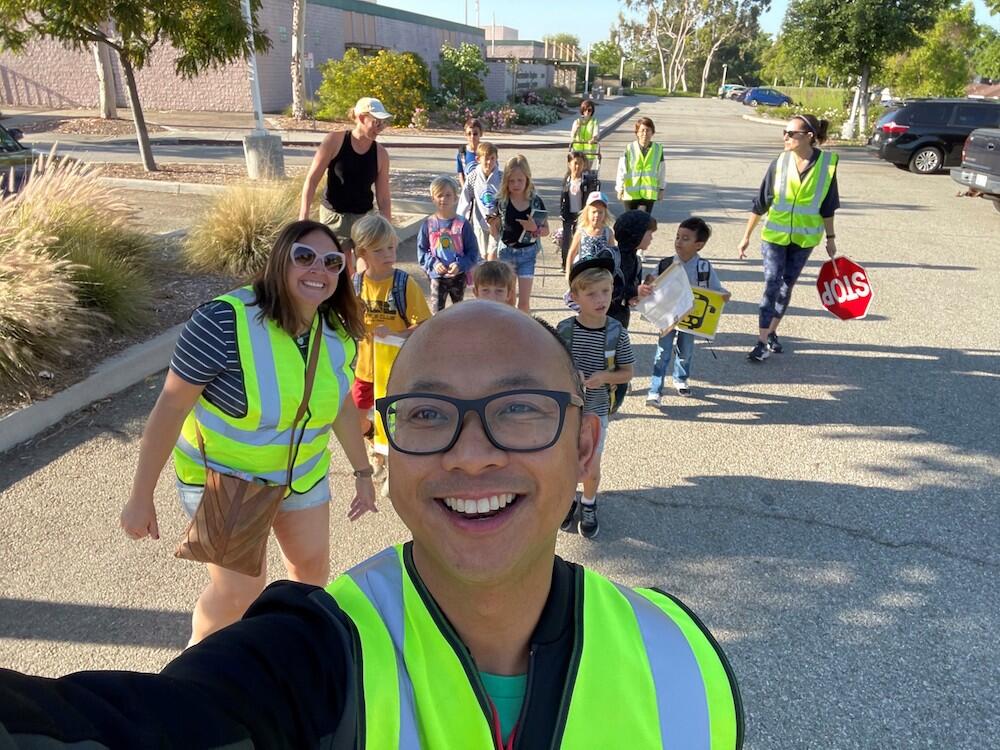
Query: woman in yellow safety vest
x,y
799,197
642,172
586,132
237,377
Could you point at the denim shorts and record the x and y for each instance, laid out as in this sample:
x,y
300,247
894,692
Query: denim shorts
x,y
521,259
320,493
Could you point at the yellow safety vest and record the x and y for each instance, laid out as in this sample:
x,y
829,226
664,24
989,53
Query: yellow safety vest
x,y
793,217
648,675
642,172
584,133
255,446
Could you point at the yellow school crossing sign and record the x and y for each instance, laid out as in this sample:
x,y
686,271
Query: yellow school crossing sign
x,y
703,320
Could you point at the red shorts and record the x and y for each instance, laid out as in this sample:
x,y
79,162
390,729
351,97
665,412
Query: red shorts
x,y
363,394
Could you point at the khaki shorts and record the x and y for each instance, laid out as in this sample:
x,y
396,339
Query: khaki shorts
x,y
341,224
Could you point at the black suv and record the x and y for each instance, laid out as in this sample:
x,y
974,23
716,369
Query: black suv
x,y
926,135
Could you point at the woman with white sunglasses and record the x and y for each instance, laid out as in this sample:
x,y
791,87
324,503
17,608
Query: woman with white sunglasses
x,y
236,379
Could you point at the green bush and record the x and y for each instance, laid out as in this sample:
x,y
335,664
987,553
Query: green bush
x,y
462,71
235,234
400,80
40,319
90,227
535,114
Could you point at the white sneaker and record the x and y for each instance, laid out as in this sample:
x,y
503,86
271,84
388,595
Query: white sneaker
x,y
682,389
653,399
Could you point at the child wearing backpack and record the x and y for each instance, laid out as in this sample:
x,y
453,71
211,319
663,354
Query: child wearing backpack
x,y
577,185
467,157
392,301
513,225
446,245
602,352
478,198
633,232
692,234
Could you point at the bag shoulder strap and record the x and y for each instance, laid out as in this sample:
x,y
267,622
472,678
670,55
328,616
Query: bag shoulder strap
x,y
359,278
399,280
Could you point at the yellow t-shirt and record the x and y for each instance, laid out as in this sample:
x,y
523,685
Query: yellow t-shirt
x,y
380,310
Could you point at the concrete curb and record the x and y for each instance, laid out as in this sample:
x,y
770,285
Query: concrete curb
x,y
113,375
764,120
122,370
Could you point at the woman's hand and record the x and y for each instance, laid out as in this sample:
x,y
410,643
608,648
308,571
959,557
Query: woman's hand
x,y
742,247
364,498
831,247
138,518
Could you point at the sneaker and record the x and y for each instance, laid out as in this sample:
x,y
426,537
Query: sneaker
x,y
653,399
759,353
588,521
682,389
773,344
570,519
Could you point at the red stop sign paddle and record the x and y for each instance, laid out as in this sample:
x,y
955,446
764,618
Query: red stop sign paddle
x,y
844,288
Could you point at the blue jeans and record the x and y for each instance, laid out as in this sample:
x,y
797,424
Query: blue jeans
x,y
782,266
521,259
682,360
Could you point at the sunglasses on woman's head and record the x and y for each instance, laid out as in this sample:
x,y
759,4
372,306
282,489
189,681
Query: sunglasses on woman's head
x,y
304,256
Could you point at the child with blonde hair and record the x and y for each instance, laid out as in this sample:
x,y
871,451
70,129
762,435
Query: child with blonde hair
x,y
593,237
392,300
518,222
446,246
478,198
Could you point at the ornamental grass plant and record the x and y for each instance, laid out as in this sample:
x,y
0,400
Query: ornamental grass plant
x,y
235,233
41,319
90,227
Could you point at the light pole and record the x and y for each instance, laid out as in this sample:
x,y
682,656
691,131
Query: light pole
x,y
264,157
586,75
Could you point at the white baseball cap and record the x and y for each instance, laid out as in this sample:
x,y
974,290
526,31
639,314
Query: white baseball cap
x,y
368,106
597,197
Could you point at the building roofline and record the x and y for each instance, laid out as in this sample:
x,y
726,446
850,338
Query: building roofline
x,y
371,9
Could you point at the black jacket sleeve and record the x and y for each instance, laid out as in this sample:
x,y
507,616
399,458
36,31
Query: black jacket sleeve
x,y
280,678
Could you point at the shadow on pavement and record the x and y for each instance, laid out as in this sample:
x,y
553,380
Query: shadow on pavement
x,y
91,623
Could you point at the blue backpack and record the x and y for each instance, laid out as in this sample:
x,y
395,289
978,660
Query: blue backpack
x,y
399,279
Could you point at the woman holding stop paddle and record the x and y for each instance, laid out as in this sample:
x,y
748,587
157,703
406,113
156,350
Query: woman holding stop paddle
x,y
798,199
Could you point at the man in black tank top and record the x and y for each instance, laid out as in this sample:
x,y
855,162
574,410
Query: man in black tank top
x,y
354,164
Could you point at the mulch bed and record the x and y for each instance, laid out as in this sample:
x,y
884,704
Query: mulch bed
x,y
85,126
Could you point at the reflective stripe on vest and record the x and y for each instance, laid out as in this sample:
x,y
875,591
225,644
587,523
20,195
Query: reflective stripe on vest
x,y
794,213
642,172
583,135
256,445
642,656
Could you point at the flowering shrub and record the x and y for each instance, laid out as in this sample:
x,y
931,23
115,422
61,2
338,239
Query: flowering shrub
x,y
421,119
536,114
500,118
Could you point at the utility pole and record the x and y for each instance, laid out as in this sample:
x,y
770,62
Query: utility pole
x,y
264,157
725,69
586,75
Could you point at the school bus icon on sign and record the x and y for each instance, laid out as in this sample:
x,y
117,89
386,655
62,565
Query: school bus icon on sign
x,y
703,320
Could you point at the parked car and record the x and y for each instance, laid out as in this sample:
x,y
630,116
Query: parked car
x,y
730,90
980,170
764,95
927,135
15,160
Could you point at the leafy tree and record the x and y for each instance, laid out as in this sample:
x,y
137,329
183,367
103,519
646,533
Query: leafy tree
x,y
940,66
722,20
462,71
986,56
606,57
400,80
855,38
205,33
571,40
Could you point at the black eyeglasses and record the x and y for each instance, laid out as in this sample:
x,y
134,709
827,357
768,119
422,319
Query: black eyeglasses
x,y
519,421
794,133
304,256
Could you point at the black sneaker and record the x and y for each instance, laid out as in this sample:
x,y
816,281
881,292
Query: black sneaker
x,y
759,353
588,521
570,519
773,344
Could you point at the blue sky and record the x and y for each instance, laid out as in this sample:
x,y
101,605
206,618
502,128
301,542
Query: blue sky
x,y
588,19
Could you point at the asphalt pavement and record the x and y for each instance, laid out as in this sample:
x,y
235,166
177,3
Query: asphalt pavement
x,y
831,513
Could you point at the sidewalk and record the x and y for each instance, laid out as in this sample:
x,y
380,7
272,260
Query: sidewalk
x,y
226,128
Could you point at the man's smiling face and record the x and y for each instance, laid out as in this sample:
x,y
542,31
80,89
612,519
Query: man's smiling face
x,y
470,351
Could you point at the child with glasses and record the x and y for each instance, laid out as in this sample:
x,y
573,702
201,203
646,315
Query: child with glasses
x,y
392,300
602,352
446,245
467,157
